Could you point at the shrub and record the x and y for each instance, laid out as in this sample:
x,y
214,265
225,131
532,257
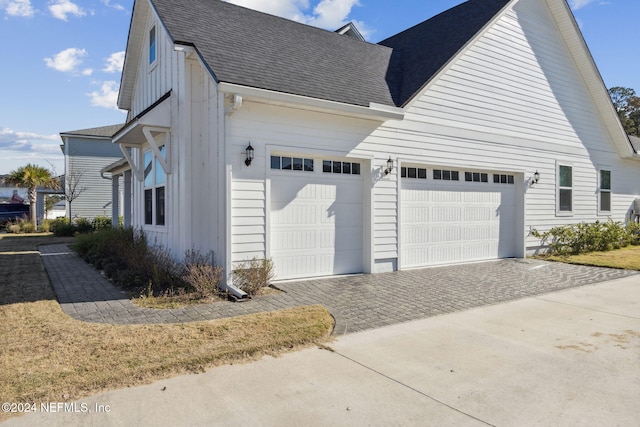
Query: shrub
x,y
83,225
101,223
45,226
129,261
253,275
62,228
27,227
585,237
13,227
202,274
20,225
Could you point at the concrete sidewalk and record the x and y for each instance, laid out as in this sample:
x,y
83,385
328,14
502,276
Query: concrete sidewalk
x,y
561,359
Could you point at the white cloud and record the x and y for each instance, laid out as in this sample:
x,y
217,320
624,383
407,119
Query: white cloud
x,y
116,6
332,14
327,14
291,9
23,141
579,4
21,8
67,61
115,63
107,96
61,9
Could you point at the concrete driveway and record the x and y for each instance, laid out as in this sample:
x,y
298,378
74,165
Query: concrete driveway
x,y
561,359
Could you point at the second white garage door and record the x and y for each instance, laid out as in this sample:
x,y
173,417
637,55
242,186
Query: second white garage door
x,y
470,218
316,223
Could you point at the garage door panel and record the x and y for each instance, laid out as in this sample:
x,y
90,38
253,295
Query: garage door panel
x,y
316,225
448,222
295,215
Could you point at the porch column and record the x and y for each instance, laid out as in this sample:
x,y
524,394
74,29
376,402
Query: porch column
x,y
127,198
115,200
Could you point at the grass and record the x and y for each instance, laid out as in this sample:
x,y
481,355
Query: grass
x,y
47,356
626,258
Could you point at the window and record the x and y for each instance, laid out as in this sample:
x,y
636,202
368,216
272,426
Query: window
x,y
565,188
345,168
291,163
503,179
444,175
152,45
476,177
605,191
154,189
414,173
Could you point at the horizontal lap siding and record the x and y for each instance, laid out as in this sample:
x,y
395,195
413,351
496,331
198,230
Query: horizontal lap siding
x,y
93,192
515,101
295,132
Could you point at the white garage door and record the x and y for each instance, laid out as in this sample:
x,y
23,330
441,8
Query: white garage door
x,y
316,225
459,217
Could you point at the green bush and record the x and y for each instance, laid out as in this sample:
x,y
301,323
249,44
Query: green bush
x,y
61,227
101,223
589,237
127,258
253,275
83,225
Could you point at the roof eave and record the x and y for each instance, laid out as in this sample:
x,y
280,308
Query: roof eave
x,y
593,80
374,111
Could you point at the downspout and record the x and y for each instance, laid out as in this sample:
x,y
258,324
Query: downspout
x,y
236,103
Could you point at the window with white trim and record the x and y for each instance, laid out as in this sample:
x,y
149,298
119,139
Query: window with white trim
x,y
503,179
152,45
565,189
291,163
476,177
445,175
154,189
604,203
416,173
345,168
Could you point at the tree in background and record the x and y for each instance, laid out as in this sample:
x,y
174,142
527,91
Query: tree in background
x,y
627,105
73,188
31,177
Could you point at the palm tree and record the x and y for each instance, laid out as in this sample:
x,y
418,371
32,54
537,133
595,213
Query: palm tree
x,y
32,177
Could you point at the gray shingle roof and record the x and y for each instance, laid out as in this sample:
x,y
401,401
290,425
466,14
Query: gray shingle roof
x,y
103,131
421,51
254,49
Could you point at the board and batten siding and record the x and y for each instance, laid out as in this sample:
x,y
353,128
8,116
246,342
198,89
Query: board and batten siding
x,y
194,184
154,80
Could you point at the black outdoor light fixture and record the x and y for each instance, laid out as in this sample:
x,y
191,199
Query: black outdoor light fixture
x,y
249,158
536,178
389,168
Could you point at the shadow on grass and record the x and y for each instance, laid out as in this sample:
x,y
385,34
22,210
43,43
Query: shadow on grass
x,y
23,277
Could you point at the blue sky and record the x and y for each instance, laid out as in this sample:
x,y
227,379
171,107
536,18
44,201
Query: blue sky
x,y
62,58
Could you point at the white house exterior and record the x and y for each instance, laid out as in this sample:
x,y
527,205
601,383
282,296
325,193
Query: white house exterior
x,y
468,106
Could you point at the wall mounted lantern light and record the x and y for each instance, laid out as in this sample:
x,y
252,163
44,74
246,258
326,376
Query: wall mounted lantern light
x,y
389,168
535,178
249,158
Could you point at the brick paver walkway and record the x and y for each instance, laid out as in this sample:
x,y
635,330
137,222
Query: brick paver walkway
x,y
357,302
